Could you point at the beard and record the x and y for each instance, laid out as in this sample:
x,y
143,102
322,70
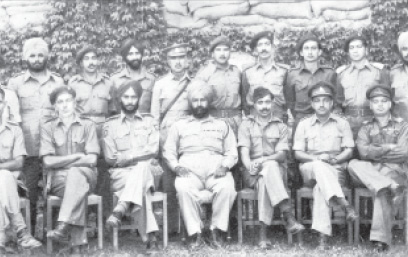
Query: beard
x,y
37,66
135,64
200,112
127,110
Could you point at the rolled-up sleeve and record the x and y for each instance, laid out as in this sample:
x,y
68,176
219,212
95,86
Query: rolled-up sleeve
x,y
18,147
347,141
244,138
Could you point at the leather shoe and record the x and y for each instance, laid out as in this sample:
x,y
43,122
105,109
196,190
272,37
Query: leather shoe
x,y
292,225
27,241
61,233
114,220
197,244
323,245
215,242
380,247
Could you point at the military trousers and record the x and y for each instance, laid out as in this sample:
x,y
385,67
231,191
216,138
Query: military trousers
x,y
9,199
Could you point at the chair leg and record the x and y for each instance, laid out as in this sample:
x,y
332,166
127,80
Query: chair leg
x,y
165,232
49,226
357,221
100,223
239,206
115,239
299,215
28,216
182,228
290,238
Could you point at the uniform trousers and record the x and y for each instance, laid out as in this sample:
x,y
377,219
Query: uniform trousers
x,y
377,177
134,185
73,185
324,179
32,173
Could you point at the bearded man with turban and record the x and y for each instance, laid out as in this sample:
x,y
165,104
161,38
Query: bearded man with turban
x,y
131,144
201,150
33,88
399,78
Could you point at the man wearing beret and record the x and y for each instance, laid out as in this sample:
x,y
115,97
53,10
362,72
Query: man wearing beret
x,y
383,146
323,144
69,150
399,79
305,75
169,104
131,144
354,79
201,150
225,79
12,153
263,144
266,73
132,53
33,88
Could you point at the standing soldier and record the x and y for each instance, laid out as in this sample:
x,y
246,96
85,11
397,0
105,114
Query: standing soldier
x,y
399,79
69,149
132,53
354,79
12,153
169,104
266,73
383,146
33,88
131,144
323,144
263,142
305,75
225,80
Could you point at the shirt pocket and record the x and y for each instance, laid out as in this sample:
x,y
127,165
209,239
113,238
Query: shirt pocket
x,y
142,136
272,138
311,141
79,143
123,141
213,140
6,149
301,89
101,102
332,141
29,99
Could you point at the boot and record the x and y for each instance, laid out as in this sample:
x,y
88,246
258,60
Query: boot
x,y
215,242
24,239
151,245
61,233
198,244
115,219
264,243
292,225
380,247
323,245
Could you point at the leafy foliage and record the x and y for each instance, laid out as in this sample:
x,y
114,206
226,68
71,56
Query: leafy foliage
x,y
105,23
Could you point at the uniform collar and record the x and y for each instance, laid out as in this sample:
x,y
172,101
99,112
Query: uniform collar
x,y
216,67
314,118
272,119
273,66
208,119
99,77
302,67
391,119
185,77
366,64
27,75
137,116
76,120
125,73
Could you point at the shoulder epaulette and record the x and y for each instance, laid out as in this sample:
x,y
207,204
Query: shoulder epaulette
x,y
112,117
18,74
282,65
148,115
55,74
341,69
377,65
396,66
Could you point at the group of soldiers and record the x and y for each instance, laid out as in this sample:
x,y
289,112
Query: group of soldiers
x,y
186,136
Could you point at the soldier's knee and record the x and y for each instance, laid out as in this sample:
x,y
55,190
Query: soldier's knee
x,y
182,185
353,165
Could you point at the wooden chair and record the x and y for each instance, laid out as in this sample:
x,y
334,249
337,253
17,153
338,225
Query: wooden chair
x,y
156,197
307,193
366,219
249,196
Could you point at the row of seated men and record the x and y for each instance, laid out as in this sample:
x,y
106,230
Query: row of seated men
x,y
27,94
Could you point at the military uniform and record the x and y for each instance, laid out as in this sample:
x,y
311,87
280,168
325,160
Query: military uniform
x,y
13,105
35,108
226,85
72,184
273,79
202,145
299,81
147,81
399,82
315,138
352,84
138,137
263,142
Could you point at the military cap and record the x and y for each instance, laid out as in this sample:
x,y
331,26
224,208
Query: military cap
x,y
263,34
304,39
221,40
321,88
83,51
352,38
379,90
176,50
60,90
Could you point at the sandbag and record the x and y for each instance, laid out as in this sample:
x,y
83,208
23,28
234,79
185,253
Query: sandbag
x,y
299,10
193,5
180,21
333,15
25,9
245,20
318,6
349,24
254,29
9,3
217,12
255,2
22,20
303,22
175,7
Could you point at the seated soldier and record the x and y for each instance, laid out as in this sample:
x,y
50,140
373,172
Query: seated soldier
x,y
383,146
131,142
201,150
12,153
323,144
69,149
263,142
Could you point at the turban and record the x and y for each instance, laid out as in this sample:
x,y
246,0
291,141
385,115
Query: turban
x,y
135,85
127,44
35,44
403,37
200,87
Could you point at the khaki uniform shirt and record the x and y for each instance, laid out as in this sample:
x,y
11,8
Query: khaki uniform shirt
x,y
352,83
299,81
273,79
13,106
137,137
11,142
264,141
146,79
35,106
399,82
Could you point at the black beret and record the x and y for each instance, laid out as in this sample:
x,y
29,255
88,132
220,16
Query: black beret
x,y
352,38
60,90
221,40
379,90
263,34
83,51
304,39
321,88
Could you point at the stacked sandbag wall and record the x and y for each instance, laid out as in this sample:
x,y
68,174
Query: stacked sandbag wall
x,y
20,14
257,15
